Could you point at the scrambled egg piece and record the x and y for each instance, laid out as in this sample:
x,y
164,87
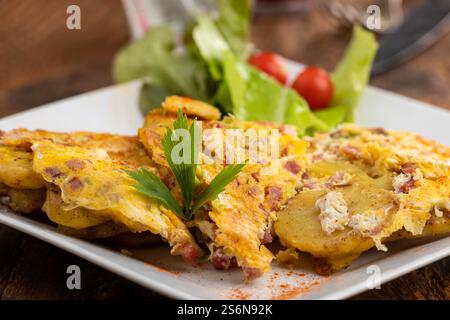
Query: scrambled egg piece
x,y
16,170
236,224
362,188
27,188
115,153
91,179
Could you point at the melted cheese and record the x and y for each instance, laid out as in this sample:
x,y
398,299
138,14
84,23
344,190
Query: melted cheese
x,y
333,212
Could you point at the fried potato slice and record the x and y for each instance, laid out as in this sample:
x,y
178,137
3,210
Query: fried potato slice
x,y
26,200
3,189
104,230
190,107
435,227
76,218
420,168
16,170
365,187
91,179
136,240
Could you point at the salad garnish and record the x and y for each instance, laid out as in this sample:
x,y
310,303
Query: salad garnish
x,y
215,62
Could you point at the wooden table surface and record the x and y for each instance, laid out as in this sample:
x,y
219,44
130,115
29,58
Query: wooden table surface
x,y
42,61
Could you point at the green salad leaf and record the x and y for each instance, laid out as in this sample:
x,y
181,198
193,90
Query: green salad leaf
x,y
247,92
155,59
233,23
211,45
210,65
150,185
350,77
258,97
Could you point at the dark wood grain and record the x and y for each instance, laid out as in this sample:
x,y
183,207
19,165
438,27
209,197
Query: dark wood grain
x,y
42,61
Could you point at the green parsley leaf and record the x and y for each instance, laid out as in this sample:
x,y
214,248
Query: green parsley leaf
x,y
151,185
217,185
183,165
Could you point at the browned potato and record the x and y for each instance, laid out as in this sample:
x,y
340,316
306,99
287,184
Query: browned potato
x,y
435,227
3,189
130,239
16,169
105,230
300,225
77,218
192,108
26,200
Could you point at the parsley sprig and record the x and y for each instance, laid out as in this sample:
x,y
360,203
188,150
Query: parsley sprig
x,y
183,167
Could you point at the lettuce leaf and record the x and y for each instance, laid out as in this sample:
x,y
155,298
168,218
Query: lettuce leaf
x,y
155,59
234,24
258,97
350,78
211,66
246,92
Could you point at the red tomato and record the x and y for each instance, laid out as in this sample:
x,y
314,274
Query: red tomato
x,y
270,63
315,85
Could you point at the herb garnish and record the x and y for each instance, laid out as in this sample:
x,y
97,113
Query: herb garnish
x,y
151,185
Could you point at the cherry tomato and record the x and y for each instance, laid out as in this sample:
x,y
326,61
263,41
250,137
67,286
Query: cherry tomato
x,y
270,63
315,85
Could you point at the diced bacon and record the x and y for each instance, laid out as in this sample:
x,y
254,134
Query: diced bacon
x,y
274,193
379,131
404,188
267,237
305,175
317,156
75,184
409,168
222,261
351,152
252,273
292,167
53,172
310,185
75,164
169,180
253,191
403,183
24,146
190,253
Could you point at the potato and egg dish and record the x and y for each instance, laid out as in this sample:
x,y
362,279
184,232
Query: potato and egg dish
x,y
334,195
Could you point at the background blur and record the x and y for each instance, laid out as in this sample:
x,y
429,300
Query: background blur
x,y
42,61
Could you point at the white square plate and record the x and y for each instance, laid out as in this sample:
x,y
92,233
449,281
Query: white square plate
x,y
114,110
